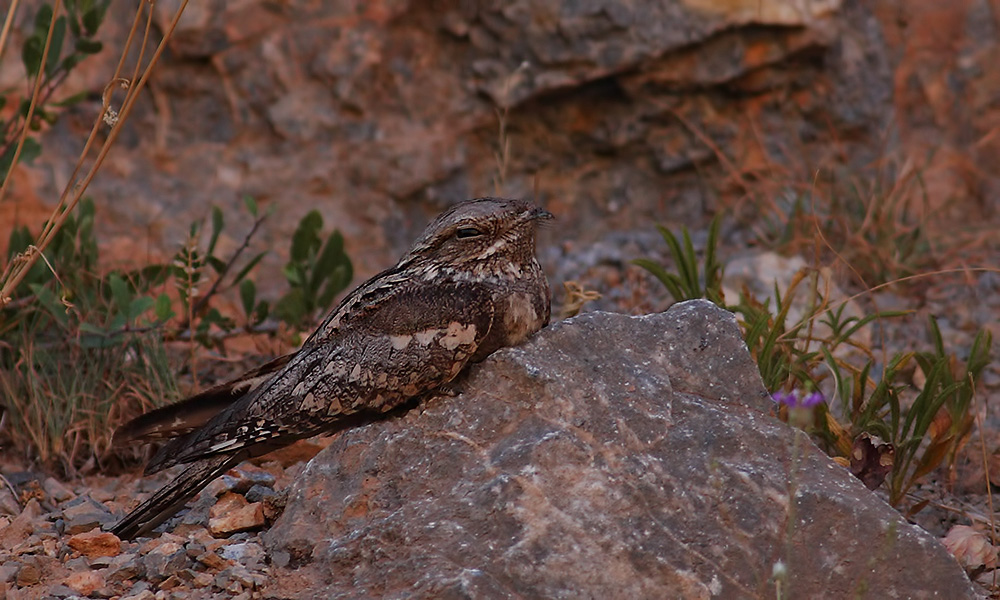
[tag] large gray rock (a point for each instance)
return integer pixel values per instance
(609, 457)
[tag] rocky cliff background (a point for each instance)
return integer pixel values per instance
(615, 114)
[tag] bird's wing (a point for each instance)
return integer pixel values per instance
(192, 413)
(411, 342)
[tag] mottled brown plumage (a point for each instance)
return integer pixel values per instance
(468, 286)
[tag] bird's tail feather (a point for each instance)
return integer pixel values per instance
(169, 498)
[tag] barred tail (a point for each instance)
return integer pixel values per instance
(168, 499)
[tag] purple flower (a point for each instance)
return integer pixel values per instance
(813, 399)
(793, 399)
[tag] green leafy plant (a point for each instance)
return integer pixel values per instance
(688, 283)
(81, 350)
(316, 272)
(77, 350)
(73, 39)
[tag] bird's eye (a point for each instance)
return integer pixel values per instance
(467, 232)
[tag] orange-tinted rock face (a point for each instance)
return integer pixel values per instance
(379, 113)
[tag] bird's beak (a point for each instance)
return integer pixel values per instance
(540, 214)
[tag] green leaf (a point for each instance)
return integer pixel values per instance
(292, 307)
(139, 306)
(92, 329)
(20, 239)
(669, 280)
(50, 302)
(218, 265)
(88, 46)
(306, 240)
(42, 20)
(164, 311)
(261, 311)
(119, 292)
(92, 19)
(217, 224)
(153, 275)
(251, 203)
(55, 49)
(248, 294)
(339, 279)
(30, 151)
(74, 24)
(329, 258)
(294, 274)
(31, 55)
(249, 267)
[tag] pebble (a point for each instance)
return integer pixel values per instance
(95, 543)
(56, 490)
(22, 526)
(28, 575)
(84, 513)
(8, 503)
(244, 518)
(84, 582)
(242, 478)
(54, 547)
(244, 553)
(258, 493)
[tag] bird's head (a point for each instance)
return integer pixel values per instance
(479, 235)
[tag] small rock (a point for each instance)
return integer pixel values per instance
(213, 561)
(245, 476)
(141, 595)
(28, 575)
(165, 538)
(22, 526)
(275, 505)
(125, 566)
(280, 558)
(101, 562)
(226, 504)
(56, 490)
(62, 591)
(259, 492)
(95, 543)
(244, 577)
(8, 502)
(170, 583)
(84, 582)
(246, 518)
(84, 513)
(164, 561)
(202, 580)
(244, 553)
(79, 563)
(8, 571)
(194, 549)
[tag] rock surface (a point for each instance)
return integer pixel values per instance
(610, 456)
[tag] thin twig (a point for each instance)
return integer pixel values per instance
(6, 25)
(33, 104)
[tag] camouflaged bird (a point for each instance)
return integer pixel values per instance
(469, 285)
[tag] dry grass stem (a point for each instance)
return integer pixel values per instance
(18, 268)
